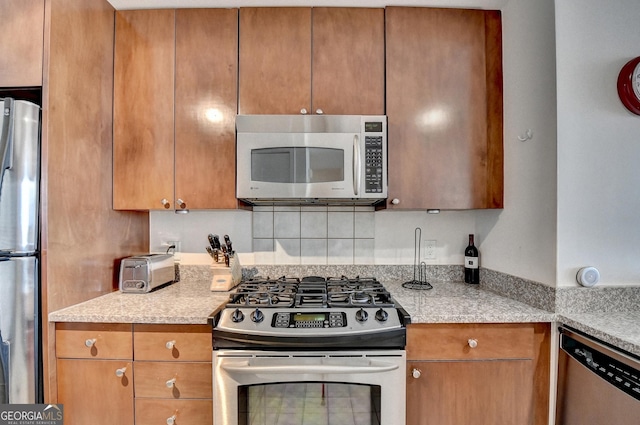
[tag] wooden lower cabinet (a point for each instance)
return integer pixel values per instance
(174, 382)
(92, 391)
(158, 411)
(134, 374)
(470, 392)
(484, 374)
(95, 373)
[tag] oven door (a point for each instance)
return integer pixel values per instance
(335, 388)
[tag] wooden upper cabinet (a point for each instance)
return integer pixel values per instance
(444, 107)
(143, 109)
(348, 61)
(21, 49)
(206, 104)
(275, 60)
(175, 108)
(328, 59)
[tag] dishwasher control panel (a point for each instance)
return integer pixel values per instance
(622, 376)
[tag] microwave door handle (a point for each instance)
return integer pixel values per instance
(356, 165)
(6, 138)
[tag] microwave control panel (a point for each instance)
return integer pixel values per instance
(374, 157)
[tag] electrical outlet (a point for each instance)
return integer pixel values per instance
(175, 244)
(430, 249)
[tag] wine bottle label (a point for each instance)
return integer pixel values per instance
(471, 262)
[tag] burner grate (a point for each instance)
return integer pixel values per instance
(311, 291)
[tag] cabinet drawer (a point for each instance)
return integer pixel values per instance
(173, 380)
(94, 341)
(172, 342)
(454, 341)
(151, 411)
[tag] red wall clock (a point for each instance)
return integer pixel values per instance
(629, 85)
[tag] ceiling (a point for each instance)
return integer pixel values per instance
(171, 4)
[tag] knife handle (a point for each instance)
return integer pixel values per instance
(227, 240)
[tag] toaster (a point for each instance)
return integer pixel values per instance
(144, 273)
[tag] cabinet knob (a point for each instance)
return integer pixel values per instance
(165, 203)
(170, 383)
(416, 373)
(319, 111)
(120, 372)
(170, 344)
(181, 204)
(395, 201)
(171, 420)
(473, 343)
(90, 342)
(303, 111)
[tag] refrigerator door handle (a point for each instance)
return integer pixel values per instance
(4, 371)
(6, 138)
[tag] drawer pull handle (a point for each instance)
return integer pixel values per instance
(416, 373)
(473, 343)
(90, 342)
(170, 344)
(120, 372)
(172, 419)
(171, 382)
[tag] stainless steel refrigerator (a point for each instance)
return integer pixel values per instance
(20, 349)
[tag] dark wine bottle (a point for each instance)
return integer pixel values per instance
(471, 263)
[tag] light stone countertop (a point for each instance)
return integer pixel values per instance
(620, 329)
(191, 302)
(184, 302)
(458, 302)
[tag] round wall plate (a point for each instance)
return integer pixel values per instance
(588, 276)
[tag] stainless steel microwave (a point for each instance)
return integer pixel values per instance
(311, 159)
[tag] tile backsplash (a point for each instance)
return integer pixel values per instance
(317, 235)
(313, 235)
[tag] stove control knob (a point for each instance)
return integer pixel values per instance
(361, 315)
(237, 316)
(257, 316)
(381, 315)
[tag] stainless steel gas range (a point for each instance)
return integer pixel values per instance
(310, 350)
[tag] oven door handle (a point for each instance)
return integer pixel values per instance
(246, 368)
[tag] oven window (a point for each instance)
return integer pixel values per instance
(297, 165)
(309, 403)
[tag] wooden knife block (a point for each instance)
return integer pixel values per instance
(226, 277)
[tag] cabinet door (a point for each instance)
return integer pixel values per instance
(162, 411)
(348, 61)
(94, 341)
(444, 107)
(465, 392)
(206, 107)
(173, 342)
(173, 380)
(97, 392)
(275, 60)
(22, 43)
(143, 161)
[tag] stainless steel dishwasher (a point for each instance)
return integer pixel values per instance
(597, 384)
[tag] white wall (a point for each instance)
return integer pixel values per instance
(598, 142)
(520, 239)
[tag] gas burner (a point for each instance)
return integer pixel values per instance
(311, 291)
